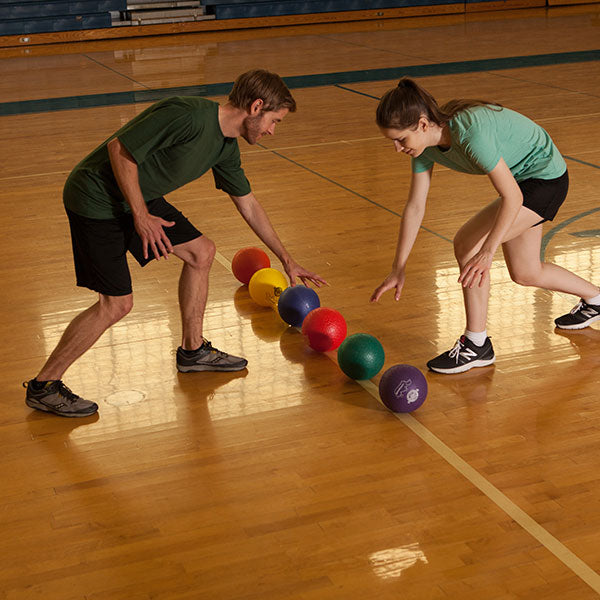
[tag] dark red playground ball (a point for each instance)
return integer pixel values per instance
(247, 261)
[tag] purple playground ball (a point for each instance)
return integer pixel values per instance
(403, 388)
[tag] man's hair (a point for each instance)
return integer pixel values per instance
(260, 84)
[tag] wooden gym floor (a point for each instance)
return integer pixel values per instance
(290, 481)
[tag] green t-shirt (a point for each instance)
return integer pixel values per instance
(173, 142)
(482, 135)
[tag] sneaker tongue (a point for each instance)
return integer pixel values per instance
(463, 338)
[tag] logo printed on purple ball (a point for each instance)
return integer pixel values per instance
(403, 389)
(412, 396)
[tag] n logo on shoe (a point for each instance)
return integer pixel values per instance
(468, 353)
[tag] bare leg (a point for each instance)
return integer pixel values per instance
(467, 242)
(522, 255)
(198, 255)
(82, 332)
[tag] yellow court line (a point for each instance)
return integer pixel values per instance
(33, 175)
(532, 527)
(566, 556)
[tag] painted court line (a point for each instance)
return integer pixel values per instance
(545, 538)
(532, 527)
(339, 78)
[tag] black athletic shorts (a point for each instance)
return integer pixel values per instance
(100, 246)
(545, 196)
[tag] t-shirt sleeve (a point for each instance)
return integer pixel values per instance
(482, 148)
(421, 164)
(166, 126)
(229, 175)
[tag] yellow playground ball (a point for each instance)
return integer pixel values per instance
(266, 286)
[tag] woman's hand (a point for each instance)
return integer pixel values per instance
(476, 269)
(395, 280)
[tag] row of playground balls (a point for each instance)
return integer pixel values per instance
(402, 388)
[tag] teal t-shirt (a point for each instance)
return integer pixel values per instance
(482, 135)
(173, 142)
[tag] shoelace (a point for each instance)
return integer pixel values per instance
(66, 392)
(208, 346)
(455, 352)
(579, 305)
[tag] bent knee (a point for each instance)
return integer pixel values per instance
(462, 250)
(116, 307)
(525, 278)
(200, 253)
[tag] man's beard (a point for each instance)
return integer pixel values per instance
(252, 129)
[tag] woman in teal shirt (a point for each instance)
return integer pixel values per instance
(531, 178)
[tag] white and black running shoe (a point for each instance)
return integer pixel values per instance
(581, 316)
(464, 356)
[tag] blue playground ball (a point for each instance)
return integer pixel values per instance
(403, 388)
(295, 303)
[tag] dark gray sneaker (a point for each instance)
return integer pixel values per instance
(55, 397)
(581, 316)
(207, 358)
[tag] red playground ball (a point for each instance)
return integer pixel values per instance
(403, 388)
(247, 261)
(324, 328)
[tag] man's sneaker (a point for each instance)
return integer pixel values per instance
(207, 358)
(581, 316)
(464, 356)
(57, 398)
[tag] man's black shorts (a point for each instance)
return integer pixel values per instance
(100, 246)
(545, 196)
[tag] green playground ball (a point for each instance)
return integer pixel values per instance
(361, 356)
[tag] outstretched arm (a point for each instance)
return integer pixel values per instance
(412, 218)
(149, 227)
(255, 215)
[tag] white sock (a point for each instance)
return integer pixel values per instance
(595, 301)
(477, 337)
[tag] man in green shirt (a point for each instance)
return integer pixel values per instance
(114, 201)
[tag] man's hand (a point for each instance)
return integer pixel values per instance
(294, 270)
(150, 229)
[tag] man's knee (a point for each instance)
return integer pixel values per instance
(114, 308)
(200, 253)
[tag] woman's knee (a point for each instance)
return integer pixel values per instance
(528, 277)
(463, 250)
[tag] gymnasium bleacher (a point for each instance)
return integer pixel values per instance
(97, 19)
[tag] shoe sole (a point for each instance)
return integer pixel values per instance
(579, 325)
(465, 367)
(39, 406)
(204, 368)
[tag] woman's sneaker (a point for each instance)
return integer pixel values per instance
(581, 316)
(464, 356)
(55, 397)
(207, 358)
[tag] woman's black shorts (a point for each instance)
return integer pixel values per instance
(100, 246)
(545, 196)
